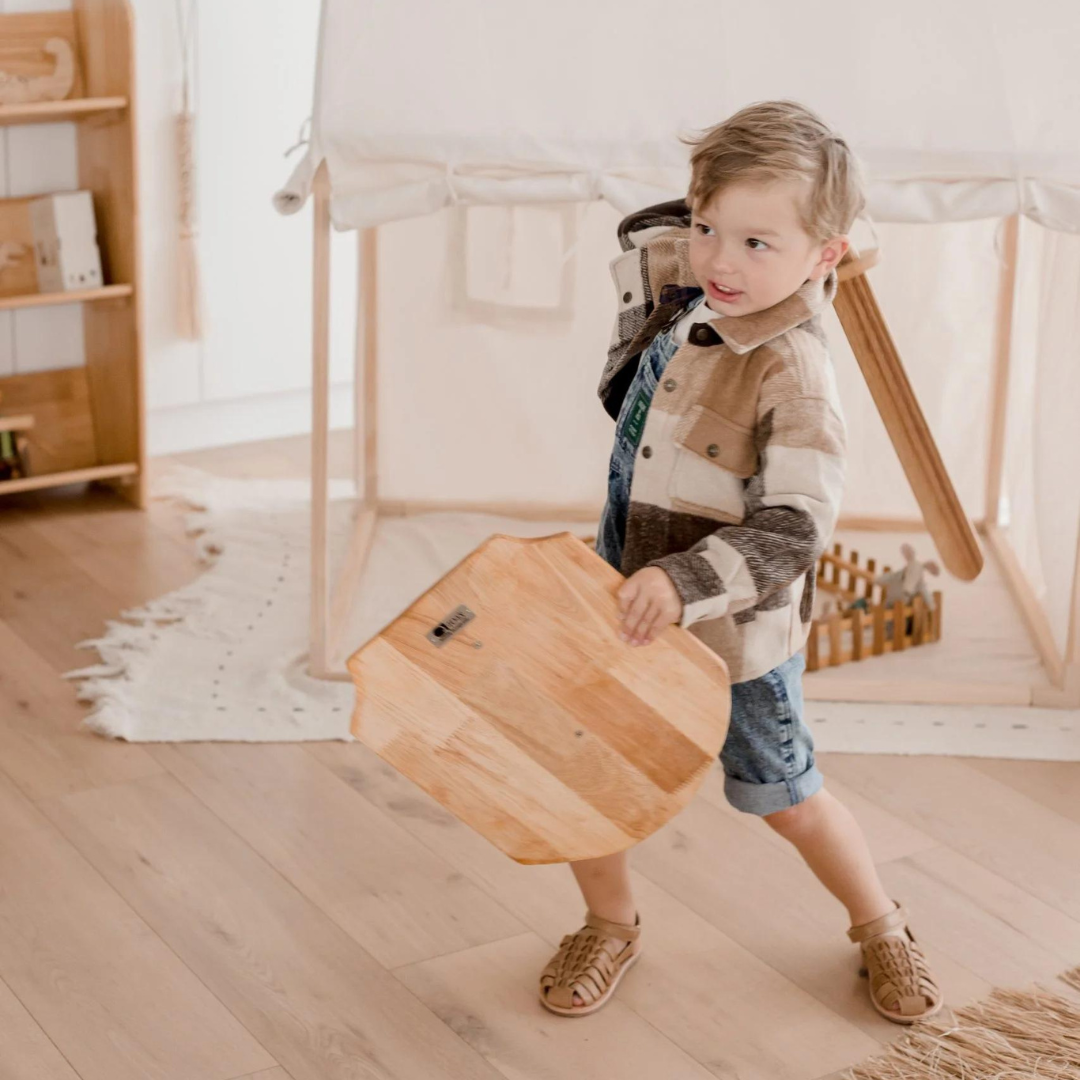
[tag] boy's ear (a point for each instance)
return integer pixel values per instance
(835, 249)
(832, 251)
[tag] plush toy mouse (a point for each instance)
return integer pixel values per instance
(909, 582)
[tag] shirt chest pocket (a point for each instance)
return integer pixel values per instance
(714, 456)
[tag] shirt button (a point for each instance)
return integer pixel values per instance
(627, 297)
(713, 450)
(646, 451)
(670, 385)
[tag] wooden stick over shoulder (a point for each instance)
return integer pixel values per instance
(888, 383)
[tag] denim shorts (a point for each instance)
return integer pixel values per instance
(768, 755)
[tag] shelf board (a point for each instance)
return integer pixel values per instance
(16, 423)
(72, 476)
(52, 112)
(80, 296)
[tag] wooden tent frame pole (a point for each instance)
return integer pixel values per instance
(1072, 650)
(318, 665)
(365, 451)
(1071, 688)
(1006, 305)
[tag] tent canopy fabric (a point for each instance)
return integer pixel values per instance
(959, 111)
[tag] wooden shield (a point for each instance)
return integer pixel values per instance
(506, 693)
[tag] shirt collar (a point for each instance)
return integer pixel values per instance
(741, 333)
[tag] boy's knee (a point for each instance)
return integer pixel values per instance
(795, 818)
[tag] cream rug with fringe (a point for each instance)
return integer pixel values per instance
(1011, 1035)
(224, 657)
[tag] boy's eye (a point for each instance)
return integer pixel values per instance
(704, 230)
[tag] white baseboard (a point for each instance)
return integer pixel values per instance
(223, 423)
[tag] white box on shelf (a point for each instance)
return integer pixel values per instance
(65, 242)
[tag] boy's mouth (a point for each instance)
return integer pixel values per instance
(718, 293)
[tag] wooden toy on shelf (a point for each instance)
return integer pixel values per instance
(13, 449)
(65, 242)
(35, 71)
(864, 613)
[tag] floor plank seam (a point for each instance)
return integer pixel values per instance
(40, 1027)
(45, 800)
(463, 949)
(906, 817)
(776, 971)
(478, 882)
(542, 1014)
(152, 929)
(990, 914)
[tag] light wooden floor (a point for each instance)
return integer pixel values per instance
(214, 911)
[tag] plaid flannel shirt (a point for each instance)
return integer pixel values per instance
(740, 469)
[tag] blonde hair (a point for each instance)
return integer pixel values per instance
(781, 140)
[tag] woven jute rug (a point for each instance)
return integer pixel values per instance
(1031, 1034)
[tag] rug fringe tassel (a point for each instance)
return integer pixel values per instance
(1012, 1035)
(104, 685)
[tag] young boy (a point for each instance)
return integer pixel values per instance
(724, 488)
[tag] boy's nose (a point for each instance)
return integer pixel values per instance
(723, 264)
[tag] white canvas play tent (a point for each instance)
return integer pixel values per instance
(485, 151)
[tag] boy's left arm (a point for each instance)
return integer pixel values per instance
(792, 506)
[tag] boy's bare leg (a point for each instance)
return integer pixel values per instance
(826, 834)
(605, 885)
(832, 843)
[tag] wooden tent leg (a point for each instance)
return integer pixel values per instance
(1072, 647)
(1072, 642)
(365, 455)
(1066, 695)
(1006, 302)
(365, 371)
(320, 421)
(1032, 612)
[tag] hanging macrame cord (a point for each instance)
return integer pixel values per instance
(189, 308)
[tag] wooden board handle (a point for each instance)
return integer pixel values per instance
(888, 383)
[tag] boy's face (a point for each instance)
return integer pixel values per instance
(749, 238)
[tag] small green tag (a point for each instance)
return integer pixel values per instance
(635, 419)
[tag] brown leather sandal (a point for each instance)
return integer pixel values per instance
(902, 987)
(590, 963)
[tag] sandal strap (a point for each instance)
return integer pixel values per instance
(586, 963)
(892, 920)
(613, 929)
(900, 975)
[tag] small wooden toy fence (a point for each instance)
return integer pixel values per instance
(853, 633)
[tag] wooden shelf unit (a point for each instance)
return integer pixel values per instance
(82, 296)
(89, 421)
(55, 112)
(72, 476)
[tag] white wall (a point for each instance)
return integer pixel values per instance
(249, 377)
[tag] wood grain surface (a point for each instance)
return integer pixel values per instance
(535, 723)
